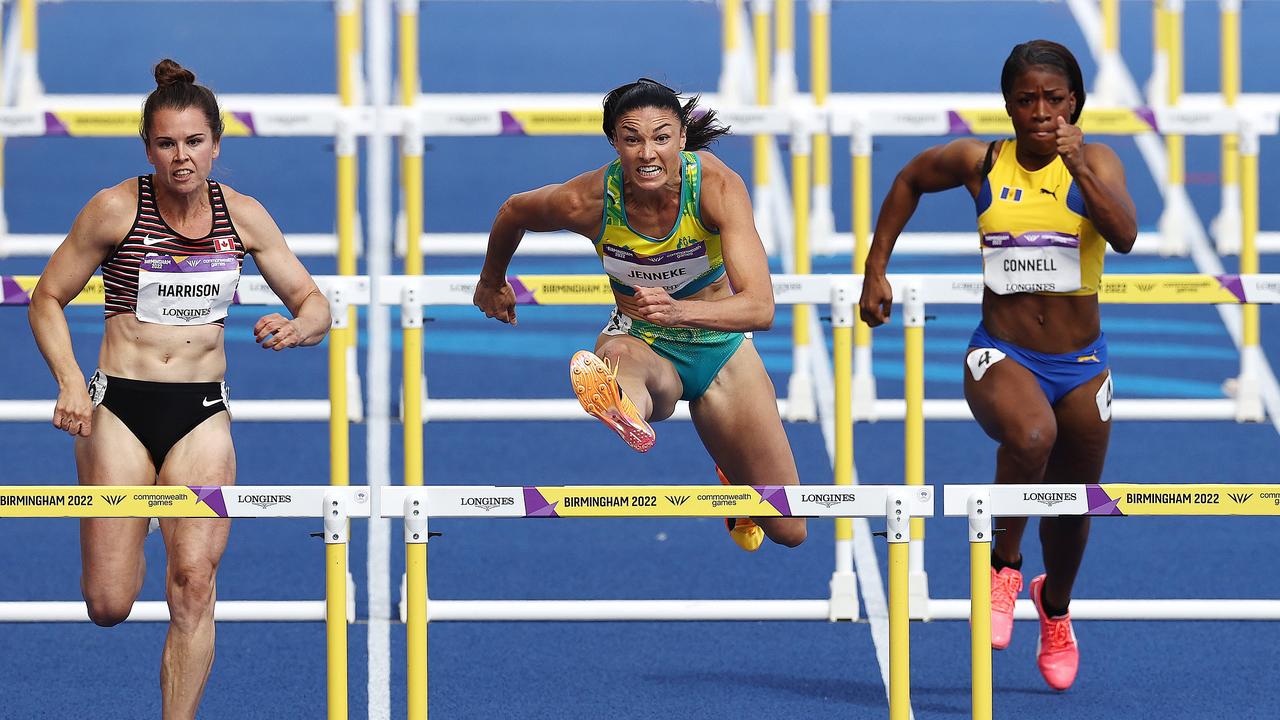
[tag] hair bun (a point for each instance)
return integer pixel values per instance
(169, 72)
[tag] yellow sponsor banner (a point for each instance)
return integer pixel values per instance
(1165, 289)
(1195, 499)
(995, 121)
(93, 293)
(124, 123)
(569, 121)
(566, 289)
(131, 501)
(656, 501)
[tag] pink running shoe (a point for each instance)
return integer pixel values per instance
(1005, 586)
(1057, 653)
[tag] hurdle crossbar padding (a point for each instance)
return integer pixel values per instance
(179, 501)
(555, 501)
(627, 610)
(286, 410)
(1086, 609)
(1116, 499)
(158, 611)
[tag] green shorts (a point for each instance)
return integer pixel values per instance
(697, 354)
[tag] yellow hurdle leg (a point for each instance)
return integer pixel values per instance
(980, 527)
(415, 550)
(898, 533)
(335, 620)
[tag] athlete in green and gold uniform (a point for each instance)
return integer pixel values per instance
(673, 227)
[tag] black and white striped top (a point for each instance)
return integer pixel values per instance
(150, 234)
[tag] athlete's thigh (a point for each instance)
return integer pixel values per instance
(204, 456)
(737, 419)
(1007, 401)
(1084, 432)
(638, 360)
(111, 548)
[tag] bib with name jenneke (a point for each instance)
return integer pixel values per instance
(682, 263)
(1035, 230)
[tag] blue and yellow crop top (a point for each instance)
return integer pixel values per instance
(1035, 230)
(685, 261)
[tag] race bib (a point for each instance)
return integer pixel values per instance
(186, 289)
(1031, 262)
(670, 270)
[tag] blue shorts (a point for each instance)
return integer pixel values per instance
(1057, 374)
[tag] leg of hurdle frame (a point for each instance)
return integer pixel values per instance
(898, 523)
(980, 528)
(336, 524)
(415, 558)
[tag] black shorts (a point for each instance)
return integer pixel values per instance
(159, 414)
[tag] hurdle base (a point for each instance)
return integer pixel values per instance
(844, 597)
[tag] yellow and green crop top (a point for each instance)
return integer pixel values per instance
(1035, 230)
(685, 261)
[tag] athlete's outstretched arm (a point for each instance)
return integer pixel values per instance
(577, 206)
(726, 205)
(939, 168)
(100, 225)
(286, 276)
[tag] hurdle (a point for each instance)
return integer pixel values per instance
(896, 504)
(336, 505)
(343, 292)
(980, 503)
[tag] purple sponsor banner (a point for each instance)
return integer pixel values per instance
(1100, 503)
(210, 495)
(958, 125)
(247, 119)
(524, 296)
(1233, 285)
(1148, 116)
(1030, 239)
(158, 262)
(620, 253)
(537, 506)
(510, 125)
(54, 126)
(775, 495)
(14, 294)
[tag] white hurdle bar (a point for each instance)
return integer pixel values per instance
(981, 504)
(416, 505)
(335, 506)
(232, 501)
(816, 289)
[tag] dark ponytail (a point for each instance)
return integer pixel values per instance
(1044, 53)
(176, 89)
(701, 126)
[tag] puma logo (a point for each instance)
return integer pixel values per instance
(1053, 192)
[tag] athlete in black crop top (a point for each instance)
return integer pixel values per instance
(156, 411)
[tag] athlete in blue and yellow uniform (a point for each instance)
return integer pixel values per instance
(1036, 375)
(673, 227)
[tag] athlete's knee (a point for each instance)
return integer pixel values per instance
(790, 533)
(1030, 446)
(190, 591)
(107, 609)
(616, 349)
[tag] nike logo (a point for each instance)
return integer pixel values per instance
(210, 403)
(148, 240)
